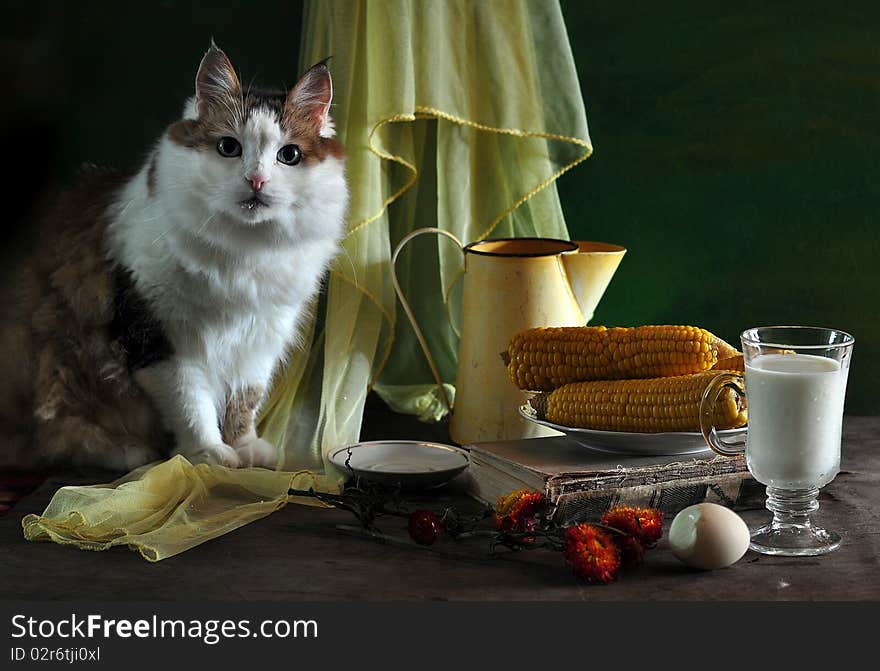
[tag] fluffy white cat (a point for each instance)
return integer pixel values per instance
(208, 258)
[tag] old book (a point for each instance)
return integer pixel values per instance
(582, 483)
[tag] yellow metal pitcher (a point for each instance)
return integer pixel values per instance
(510, 285)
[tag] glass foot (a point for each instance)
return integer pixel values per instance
(794, 540)
(791, 533)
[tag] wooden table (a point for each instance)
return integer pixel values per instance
(298, 554)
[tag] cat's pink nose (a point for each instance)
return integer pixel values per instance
(257, 182)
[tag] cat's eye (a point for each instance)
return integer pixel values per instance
(289, 154)
(228, 147)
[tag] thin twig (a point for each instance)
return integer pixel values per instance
(376, 535)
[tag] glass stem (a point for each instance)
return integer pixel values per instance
(792, 506)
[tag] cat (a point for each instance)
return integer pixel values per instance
(157, 306)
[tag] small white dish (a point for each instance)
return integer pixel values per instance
(407, 463)
(625, 442)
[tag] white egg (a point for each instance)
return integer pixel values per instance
(708, 536)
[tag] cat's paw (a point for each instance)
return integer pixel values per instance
(257, 452)
(219, 454)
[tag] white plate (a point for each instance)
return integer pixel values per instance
(624, 442)
(407, 463)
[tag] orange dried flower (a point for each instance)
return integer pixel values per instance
(644, 524)
(518, 510)
(507, 502)
(651, 521)
(591, 553)
(624, 519)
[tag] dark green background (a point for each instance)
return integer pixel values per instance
(736, 157)
(735, 144)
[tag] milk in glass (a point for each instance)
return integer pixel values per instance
(795, 406)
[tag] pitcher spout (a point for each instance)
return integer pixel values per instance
(589, 270)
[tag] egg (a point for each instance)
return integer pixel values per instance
(708, 536)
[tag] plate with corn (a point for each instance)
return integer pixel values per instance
(633, 390)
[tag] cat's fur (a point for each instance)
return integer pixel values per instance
(157, 306)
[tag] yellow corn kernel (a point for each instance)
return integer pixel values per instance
(543, 359)
(733, 363)
(644, 406)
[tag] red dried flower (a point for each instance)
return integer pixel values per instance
(425, 527)
(591, 553)
(624, 519)
(644, 524)
(651, 521)
(632, 552)
(518, 510)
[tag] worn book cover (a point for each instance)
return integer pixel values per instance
(583, 483)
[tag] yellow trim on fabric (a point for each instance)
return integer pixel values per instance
(516, 132)
(388, 157)
(424, 112)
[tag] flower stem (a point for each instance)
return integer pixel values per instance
(376, 536)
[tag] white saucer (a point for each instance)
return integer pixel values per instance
(407, 463)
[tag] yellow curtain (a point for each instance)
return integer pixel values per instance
(457, 114)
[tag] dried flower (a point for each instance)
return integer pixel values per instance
(651, 521)
(591, 553)
(425, 527)
(632, 552)
(643, 524)
(523, 521)
(518, 510)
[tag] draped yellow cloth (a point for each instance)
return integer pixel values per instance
(455, 114)
(163, 509)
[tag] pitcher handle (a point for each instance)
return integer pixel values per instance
(719, 384)
(408, 311)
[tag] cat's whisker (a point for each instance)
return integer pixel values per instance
(161, 235)
(128, 204)
(148, 220)
(205, 224)
(249, 86)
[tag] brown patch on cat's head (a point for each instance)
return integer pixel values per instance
(200, 133)
(303, 112)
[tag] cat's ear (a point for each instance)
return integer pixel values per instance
(310, 100)
(217, 85)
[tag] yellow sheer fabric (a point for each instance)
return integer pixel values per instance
(163, 509)
(457, 114)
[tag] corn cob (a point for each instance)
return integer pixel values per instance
(733, 363)
(645, 406)
(543, 359)
(737, 363)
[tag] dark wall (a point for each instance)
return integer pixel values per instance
(736, 144)
(99, 80)
(736, 156)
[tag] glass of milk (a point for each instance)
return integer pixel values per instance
(795, 383)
